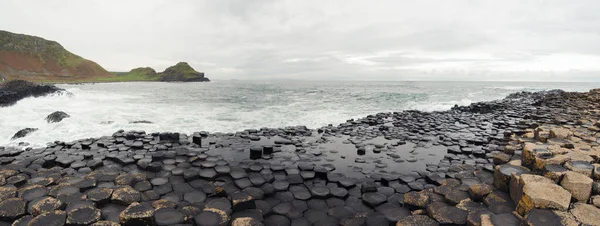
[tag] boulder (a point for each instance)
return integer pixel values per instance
(595, 201)
(24, 132)
(518, 182)
(586, 214)
(543, 196)
(560, 133)
(56, 116)
(578, 184)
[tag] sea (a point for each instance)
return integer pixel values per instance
(229, 106)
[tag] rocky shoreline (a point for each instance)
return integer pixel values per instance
(15, 90)
(529, 159)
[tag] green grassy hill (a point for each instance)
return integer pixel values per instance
(33, 58)
(181, 72)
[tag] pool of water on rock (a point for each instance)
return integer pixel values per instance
(338, 154)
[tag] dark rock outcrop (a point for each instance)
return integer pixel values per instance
(23, 133)
(182, 72)
(140, 122)
(15, 90)
(57, 116)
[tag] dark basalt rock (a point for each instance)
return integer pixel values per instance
(393, 212)
(373, 199)
(33, 192)
(446, 214)
(168, 216)
(105, 223)
(125, 195)
(282, 208)
(99, 195)
(277, 220)
(15, 90)
(7, 192)
(223, 204)
(542, 217)
(338, 192)
(456, 196)
(57, 217)
(246, 221)
(242, 201)
(24, 132)
(300, 192)
(194, 197)
(23, 221)
(56, 116)
(137, 214)
(416, 200)
(163, 203)
(210, 218)
(46, 204)
(83, 216)
(421, 220)
(320, 192)
(12, 208)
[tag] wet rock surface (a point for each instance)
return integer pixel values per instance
(24, 132)
(15, 90)
(471, 165)
(57, 116)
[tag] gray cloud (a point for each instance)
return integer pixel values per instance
(338, 39)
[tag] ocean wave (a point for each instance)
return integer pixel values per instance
(228, 107)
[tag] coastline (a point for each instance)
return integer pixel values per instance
(358, 171)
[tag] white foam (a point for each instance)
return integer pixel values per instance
(217, 107)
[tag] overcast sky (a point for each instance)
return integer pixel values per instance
(332, 39)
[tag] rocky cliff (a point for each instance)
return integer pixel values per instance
(36, 59)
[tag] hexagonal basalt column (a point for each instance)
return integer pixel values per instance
(503, 173)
